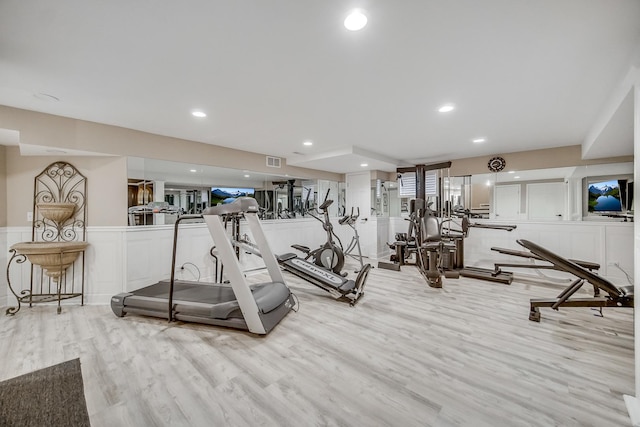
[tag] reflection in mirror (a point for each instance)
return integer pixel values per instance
(160, 190)
(342, 199)
(385, 200)
(457, 193)
(284, 199)
(309, 189)
(394, 199)
(555, 194)
(328, 190)
(379, 198)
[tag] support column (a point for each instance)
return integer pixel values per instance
(158, 196)
(632, 402)
(421, 186)
(290, 187)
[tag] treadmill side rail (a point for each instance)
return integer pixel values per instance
(243, 294)
(117, 303)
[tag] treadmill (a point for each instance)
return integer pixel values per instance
(256, 308)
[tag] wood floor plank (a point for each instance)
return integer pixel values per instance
(405, 355)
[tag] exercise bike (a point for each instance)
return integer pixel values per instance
(329, 255)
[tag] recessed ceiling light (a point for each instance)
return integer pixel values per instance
(247, 176)
(355, 21)
(446, 108)
(512, 171)
(478, 140)
(307, 143)
(516, 177)
(199, 114)
(192, 170)
(364, 165)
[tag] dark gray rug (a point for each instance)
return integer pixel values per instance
(52, 396)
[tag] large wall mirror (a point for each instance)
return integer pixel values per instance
(599, 192)
(385, 200)
(159, 191)
(590, 192)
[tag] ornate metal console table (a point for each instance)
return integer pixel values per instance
(58, 239)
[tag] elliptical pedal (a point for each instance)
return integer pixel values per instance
(361, 279)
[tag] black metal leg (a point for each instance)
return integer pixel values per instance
(19, 259)
(534, 314)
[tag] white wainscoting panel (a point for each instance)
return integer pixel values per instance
(600, 242)
(105, 262)
(382, 235)
(619, 253)
(127, 258)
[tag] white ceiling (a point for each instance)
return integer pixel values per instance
(272, 74)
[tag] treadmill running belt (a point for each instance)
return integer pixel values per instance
(189, 291)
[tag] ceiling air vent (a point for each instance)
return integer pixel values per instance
(274, 162)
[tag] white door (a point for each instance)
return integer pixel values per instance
(507, 199)
(358, 193)
(546, 201)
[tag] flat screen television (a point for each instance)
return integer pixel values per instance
(223, 195)
(606, 196)
(610, 196)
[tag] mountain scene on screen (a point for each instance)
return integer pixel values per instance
(227, 195)
(604, 196)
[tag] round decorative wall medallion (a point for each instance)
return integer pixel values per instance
(496, 164)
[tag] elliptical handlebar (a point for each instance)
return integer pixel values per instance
(325, 204)
(350, 219)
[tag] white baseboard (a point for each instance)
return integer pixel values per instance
(633, 407)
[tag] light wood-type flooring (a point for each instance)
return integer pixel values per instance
(406, 355)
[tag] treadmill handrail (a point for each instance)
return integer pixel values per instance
(573, 268)
(173, 258)
(246, 301)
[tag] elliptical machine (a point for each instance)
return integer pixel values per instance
(350, 220)
(329, 255)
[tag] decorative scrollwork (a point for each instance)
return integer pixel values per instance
(60, 182)
(69, 234)
(19, 259)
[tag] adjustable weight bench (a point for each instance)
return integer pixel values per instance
(614, 296)
(591, 266)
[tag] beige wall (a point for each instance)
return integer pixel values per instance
(60, 132)
(3, 186)
(106, 175)
(526, 160)
(531, 160)
(106, 187)
(480, 194)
